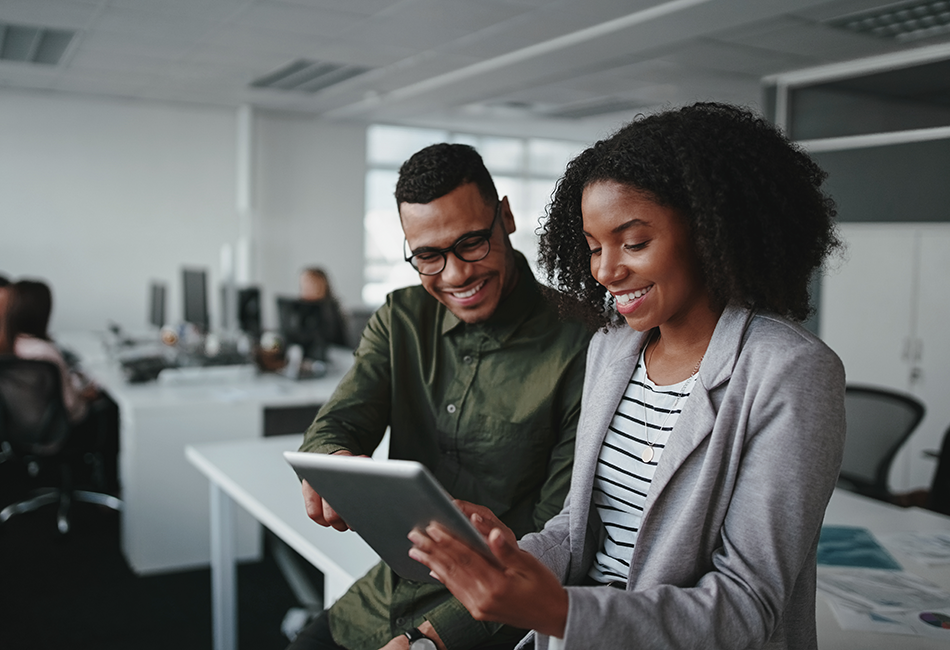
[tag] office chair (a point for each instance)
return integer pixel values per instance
(879, 421)
(35, 429)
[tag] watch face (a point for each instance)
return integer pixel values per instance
(422, 644)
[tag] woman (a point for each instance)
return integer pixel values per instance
(93, 414)
(315, 287)
(712, 424)
(29, 306)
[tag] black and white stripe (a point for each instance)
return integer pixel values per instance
(647, 413)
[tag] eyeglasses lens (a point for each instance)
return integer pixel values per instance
(470, 249)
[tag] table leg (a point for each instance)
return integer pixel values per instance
(223, 570)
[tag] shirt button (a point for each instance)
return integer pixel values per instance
(467, 359)
(400, 621)
(451, 408)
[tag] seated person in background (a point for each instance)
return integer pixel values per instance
(315, 287)
(477, 379)
(712, 425)
(5, 348)
(93, 413)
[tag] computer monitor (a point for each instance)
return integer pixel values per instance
(249, 310)
(195, 283)
(156, 305)
(303, 323)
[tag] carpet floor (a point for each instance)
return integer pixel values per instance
(77, 591)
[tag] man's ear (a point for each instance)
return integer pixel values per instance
(507, 218)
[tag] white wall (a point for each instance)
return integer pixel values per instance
(309, 199)
(98, 197)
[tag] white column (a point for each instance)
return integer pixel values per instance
(245, 263)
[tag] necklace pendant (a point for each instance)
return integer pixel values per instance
(647, 454)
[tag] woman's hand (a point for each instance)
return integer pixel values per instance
(515, 588)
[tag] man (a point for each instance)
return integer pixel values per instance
(476, 378)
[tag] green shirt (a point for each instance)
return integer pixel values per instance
(491, 409)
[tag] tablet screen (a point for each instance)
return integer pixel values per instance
(382, 500)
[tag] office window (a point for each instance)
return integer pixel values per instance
(524, 169)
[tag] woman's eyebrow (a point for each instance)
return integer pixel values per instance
(629, 224)
(623, 226)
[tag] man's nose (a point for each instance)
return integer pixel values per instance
(456, 271)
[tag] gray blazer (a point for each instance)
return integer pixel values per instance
(726, 551)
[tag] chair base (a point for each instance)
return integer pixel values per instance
(51, 496)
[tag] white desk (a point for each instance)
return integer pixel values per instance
(254, 475)
(166, 510)
(848, 509)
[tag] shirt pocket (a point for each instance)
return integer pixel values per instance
(507, 460)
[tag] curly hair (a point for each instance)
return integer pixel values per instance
(759, 222)
(436, 170)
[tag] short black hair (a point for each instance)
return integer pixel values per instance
(438, 169)
(3, 280)
(758, 219)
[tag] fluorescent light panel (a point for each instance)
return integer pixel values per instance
(305, 75)
(907, 21)
(27, 44)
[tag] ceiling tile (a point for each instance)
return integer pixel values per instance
(119, 44)
(710, 54)
(131, 63)
(808, 39)
(182, 25)
(364, 7)
(62, 14)
(297, 19)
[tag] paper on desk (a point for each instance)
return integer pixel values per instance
(883, 590)
(927, 548)
(896, 602)
(850, 617)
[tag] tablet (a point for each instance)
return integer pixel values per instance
(382, 500)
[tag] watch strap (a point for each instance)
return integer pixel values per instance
(414, 635)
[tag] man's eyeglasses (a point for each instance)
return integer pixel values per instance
(471, 247)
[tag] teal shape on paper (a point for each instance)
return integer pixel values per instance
(852, 546)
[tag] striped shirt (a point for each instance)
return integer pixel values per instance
(643, 420)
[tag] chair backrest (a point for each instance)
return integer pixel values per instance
(33, 418)
(879, 421)
(939, 498)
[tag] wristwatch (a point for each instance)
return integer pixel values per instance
(419, 641)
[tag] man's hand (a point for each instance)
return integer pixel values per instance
(317, 507)
(402, 643)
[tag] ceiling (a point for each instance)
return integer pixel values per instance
(521, 66)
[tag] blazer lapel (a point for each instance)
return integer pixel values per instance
(603, 395)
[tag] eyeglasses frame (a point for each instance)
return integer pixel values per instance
(485, 233)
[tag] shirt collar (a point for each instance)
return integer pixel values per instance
(511, 312)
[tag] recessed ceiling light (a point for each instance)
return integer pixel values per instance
(26, 44)
(907, 21)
